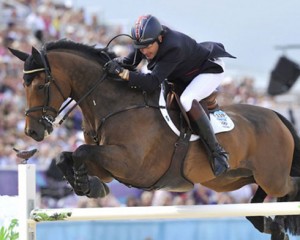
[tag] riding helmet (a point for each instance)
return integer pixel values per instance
(145, 31)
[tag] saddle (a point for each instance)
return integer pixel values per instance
(172, 93)
(174, 179)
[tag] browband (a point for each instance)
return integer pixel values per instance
(33, 71)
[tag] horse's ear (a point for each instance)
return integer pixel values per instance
(36, 54)
(21, 55)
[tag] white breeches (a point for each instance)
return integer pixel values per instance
(201, 87)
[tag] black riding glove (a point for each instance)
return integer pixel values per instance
(113, 67)
(119, 60)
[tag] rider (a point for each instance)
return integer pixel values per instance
(177, 57)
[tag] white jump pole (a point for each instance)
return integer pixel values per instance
(168, 212)
(27, 200)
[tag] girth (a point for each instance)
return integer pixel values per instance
(174, 179)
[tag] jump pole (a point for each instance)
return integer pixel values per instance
(167, 212)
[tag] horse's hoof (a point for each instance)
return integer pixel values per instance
(98, 189)
(286, 237)
(281, 236)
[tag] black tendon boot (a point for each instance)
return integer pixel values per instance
(201, 125)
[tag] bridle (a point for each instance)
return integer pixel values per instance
(47, 119)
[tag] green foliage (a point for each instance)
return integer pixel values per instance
(39, 217)
(9, 233)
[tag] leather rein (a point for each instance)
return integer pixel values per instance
(48, 120)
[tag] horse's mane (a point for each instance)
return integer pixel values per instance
(99, 54)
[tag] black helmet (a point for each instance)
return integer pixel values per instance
(145, 31)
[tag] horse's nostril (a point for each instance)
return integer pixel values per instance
(30, 132)
(34, 134)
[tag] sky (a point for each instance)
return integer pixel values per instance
(250, 30)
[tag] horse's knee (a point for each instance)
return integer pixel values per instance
(279, 187)
(63, 157)
(80, 154)
(294, 194)
(64, 161)
(277, 192)
(82, 151)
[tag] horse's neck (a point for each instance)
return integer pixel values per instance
(111, 99)
(109, 96)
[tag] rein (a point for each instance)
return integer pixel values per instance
(83, 97)
(48, 120)
(144, 105)
(95, 86)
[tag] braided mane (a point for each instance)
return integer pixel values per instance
(98, 54)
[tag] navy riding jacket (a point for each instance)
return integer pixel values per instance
(179, 59)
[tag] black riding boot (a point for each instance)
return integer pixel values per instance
(201, 125)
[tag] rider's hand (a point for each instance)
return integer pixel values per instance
(113, 67)
(119, 60)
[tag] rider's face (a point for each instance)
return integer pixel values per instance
(151, 50)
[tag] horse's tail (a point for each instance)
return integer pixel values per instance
(295, 170)
(292, 222)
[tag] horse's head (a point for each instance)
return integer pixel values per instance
(44, 97)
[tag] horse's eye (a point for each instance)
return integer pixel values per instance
(41, 86)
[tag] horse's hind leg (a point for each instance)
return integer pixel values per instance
(267, 224)
(259, 222)
(281, 224)
(289, 223)
(277, 229)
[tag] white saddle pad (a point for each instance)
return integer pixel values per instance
(220, 121)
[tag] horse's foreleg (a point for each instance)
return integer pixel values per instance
(104, 162)
(77, 176)
(64, 162)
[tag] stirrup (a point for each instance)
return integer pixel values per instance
(222, 167)
(219, 150)
(219, 157)
(222, 153)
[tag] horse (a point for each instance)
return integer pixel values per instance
(127, 138)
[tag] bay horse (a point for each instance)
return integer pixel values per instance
(127, 138)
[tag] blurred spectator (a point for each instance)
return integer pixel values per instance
(36, 23)
(203, 195)
(132, 201)
(162, 198)
(146, 199)
(108, 201)
(242, 195)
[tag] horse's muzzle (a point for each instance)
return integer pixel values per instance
(40, 130)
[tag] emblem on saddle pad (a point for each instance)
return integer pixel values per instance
(219, 120)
